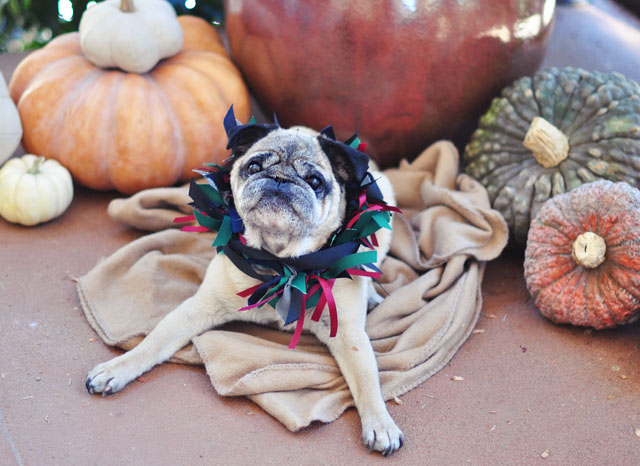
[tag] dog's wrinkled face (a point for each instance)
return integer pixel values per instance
(288, 187)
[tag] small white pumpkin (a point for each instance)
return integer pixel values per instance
(133, 36)
(34, 190)
(10, 126)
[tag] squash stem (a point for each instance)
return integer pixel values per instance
(35, 168)
(589, 250)
(549, 145)
(126, 6)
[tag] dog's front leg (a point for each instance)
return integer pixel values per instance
(194, 316)
(352, 350)
(357, 362)
(172, 333)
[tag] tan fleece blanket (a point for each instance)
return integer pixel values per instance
(440, 245)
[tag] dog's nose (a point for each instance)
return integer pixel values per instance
(282, 184)
(279, 185)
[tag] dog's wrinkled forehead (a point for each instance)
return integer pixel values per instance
(289, 145)
(348, 165)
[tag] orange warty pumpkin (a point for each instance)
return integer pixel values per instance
(130, 131)
(582, 261)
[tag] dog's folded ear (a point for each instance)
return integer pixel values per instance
(243, 137)
(349, 165)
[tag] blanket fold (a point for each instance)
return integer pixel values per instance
(433, 278)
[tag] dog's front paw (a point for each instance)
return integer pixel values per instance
(382, 435)
(109, 377)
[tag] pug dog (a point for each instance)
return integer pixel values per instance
(289, 189)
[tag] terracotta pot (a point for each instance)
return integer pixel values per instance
(403, 73)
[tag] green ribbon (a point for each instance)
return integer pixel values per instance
(213, 194)
(206, 221)
(382, 219)
(351, 261)
(224, 232)
(300, 282)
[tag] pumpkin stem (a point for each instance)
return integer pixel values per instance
(549, 145)
(126, 6)
(35, 168)
(589, 250)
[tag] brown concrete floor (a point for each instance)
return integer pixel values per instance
(529, 386)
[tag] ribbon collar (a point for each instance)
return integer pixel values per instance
(294, 285)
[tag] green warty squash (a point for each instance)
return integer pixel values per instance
(547, 134)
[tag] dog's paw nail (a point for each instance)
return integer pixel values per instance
(108, 378)
(372, 442)
(108, 389)
(383, 436)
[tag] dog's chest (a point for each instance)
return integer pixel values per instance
(266, 314)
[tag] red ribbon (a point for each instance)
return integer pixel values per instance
(188, 218)
(362, 198)
(249, 291)
(298, 331)
(326, 298)
(260, 303)
(363, 273)
(366, 242)
(194, 228)
(374, 240)
(391, 208)
(357, 216)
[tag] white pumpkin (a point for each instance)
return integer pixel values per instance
(132, 35)
(34, 190)
(10, 126)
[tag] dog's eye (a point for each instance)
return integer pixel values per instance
(254, 167)
(313, 181)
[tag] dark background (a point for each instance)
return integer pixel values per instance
(29, 24)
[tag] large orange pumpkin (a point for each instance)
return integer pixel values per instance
(130, 131)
